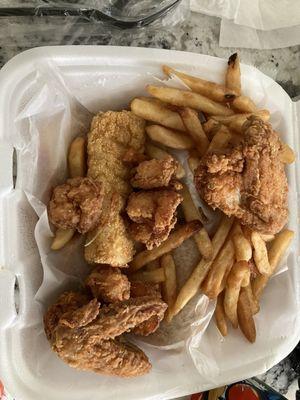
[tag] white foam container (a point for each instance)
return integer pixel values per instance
(175, 374)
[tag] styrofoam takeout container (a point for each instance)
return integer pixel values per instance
(125, 71)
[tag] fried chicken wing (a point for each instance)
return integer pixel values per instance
(77, 204)
(248, 181)
(112, 135)
(88, 338)
(153, 215)
(108, 284)
(154, 173)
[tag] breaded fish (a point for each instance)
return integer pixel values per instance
(112, 134)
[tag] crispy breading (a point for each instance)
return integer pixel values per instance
(88, 337)
(108, 284)
(248, 181)
(153, 214)
(154, 173)
(112, 134)
(76, 204)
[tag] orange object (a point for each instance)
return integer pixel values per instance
(242, 392)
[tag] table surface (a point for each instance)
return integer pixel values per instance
(198, 33)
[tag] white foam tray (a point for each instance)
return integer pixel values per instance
(175, 374)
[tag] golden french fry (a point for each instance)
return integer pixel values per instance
(154, 112)
(254, 304)
(174, 240)
(278, 247)
(233, 74)
(202, 216)
(61, 238)
(191, 213)
(232, 290)
(267, 237)
(77, 157)
(242, 246)
(194, 128)
(169, 137)
(156, 152)
(239, 119)
(208, 89)
(152, 265)
(220, 316)
(212, 285)
(152, 100)
(186, 98)
(245, 317)
(221, 139)
(244, 104)
(260, 254)
(215, 394)
(191, 286)
(286, 155)
(154, 276)
(169, 286)
(193, 163)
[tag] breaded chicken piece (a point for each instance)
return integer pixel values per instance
(92, 342)
(153, 215)
(108, 284)
(140, 289)
(248, 181)
(154, 173)
(76, 204)
(112, 134)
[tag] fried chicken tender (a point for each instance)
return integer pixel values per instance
(248, 181)
(140, 289)
(112, 135)
(76, 204)
(108, 284)
(92, 340)
(154, 173)
(153, 214)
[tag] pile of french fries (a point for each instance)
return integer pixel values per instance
(236, 263)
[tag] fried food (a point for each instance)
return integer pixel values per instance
(111, 135)
(242, 246)
(249, 180)
(209, 89)
(77, 157)
(260, 254)
(169, 137)
(186, 98)
(169, 286)
(87, 337)
(108, 284)
(233, 74)
(153, 214)
(157, 113)
(76, 204)
(220, 316)
(277, 250)
(156, 152)
(154, 173)
(245, 316)
(61, 238)
(191, 286)
(174, 240)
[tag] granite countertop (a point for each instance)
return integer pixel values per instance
(199, 34)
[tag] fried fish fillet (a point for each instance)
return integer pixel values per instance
(112, 134)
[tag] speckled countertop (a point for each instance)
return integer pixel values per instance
(199, 34)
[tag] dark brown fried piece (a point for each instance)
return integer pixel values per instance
(153, 214)
(108, 284)
(96, 346)
(133, 157)
(82, 316)
(154, 173)
(248, 181)
(76, 204)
